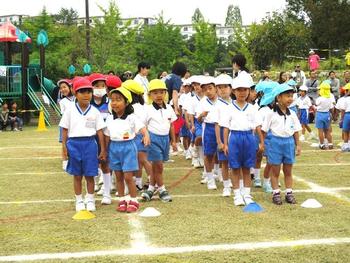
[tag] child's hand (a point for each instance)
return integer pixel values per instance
(261, 147)
(102, 156)
(221, 147)
(193, 130)
(173, 144)
(146, 140)
(298, 150)
(225, 149)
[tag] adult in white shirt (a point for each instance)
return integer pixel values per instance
(143, 69)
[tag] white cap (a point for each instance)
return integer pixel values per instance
(204, 80)
(223, 79)
(243, 80)
(303, 88)
(311, 51)
(186, 82)
(294, 74)
(194, 78)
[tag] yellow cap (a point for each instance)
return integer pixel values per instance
(133, 86)
(325, 89)
(156, 84)
(347, 87)
(123, 91)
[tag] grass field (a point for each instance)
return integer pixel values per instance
(36, 209)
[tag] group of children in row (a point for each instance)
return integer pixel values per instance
(9, 117)
(229, 123)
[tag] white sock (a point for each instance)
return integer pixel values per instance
(237, 192)
(161, 188)
(138, 181)
(246, 190)
(79, 198)
(266, 181)
(200, 152)
(210, 176)
(134, 199)
(276, 191)
(107, 184)
(151, 188)
(90, 197)
(289, 190)
(216, 166)
(256, 173)
(251, 170)
(226, 183)
(241, 185)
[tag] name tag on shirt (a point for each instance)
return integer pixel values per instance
(90, 123)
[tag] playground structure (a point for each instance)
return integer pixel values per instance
(25, 81)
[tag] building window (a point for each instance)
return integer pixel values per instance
(229, 31)
(136, 21)
(185, 28)
(222, 31)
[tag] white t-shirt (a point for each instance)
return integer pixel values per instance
(123, 129)
(192, 104)
(144, 83)
(263, 112)
(344, 104)
(304, 102)
(220, 109)
(240, 119)
(294, 103)
(324, 104)
(65, 103)
(281, 125)
(206, 105)
(139, 111)
(82, 124)
(159, 121)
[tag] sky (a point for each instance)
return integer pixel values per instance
(178, 11)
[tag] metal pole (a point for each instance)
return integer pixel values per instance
(87, 20)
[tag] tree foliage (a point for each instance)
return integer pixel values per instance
(233, 16)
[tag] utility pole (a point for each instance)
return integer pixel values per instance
(87, 19)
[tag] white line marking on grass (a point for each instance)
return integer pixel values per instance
(179, 250)
(28, 147)
(31, 158)
(137, 236)
(320, 164)
(174, 196)
(322, 189)
(33, 173)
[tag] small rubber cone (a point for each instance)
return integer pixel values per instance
(41, 123)
(311, 203)
(150, 212)
(253, 208)
(83, 215)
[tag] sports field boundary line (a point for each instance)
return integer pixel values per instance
(174, 196)
(152, 250)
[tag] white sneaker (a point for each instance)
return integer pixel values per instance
(97, 187)
(79, 205)
(248, 199)
(196, 163)
(90, 205)
(201, 162)
(226, 192)
(302, 138)
(211, 185)
(218, 177)
(100, 192)
(64, 165)
(188, 155)
(106, 200)
(238, 200)
(100, 178)
(180, 148)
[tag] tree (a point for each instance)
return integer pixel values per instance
(205, 43)
(66, 16)
(326, 18)
(233, 16)
(197, 16)
(161, 44)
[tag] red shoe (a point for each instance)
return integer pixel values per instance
(133, 207)
(122, 206)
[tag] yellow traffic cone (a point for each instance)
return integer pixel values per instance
(41, 123)
(83, 215)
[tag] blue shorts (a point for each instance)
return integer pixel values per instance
(198, 130)
(82, 156)
(294, 108)
(304, 116)
(185, 132)
(60, 129)
(139, 144)
(209, 139)
(241, 149)
(159, 148)
(346, 122)
(267, 143)
(257, 141)
(281, 150)
(123, 156)
(221, 155)
(323, 120)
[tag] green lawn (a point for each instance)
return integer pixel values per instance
(31, 171)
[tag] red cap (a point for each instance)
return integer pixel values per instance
(113, 81)
(67, 81)
(96, 77)
(81, 83)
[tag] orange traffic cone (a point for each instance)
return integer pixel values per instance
(41, 123)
